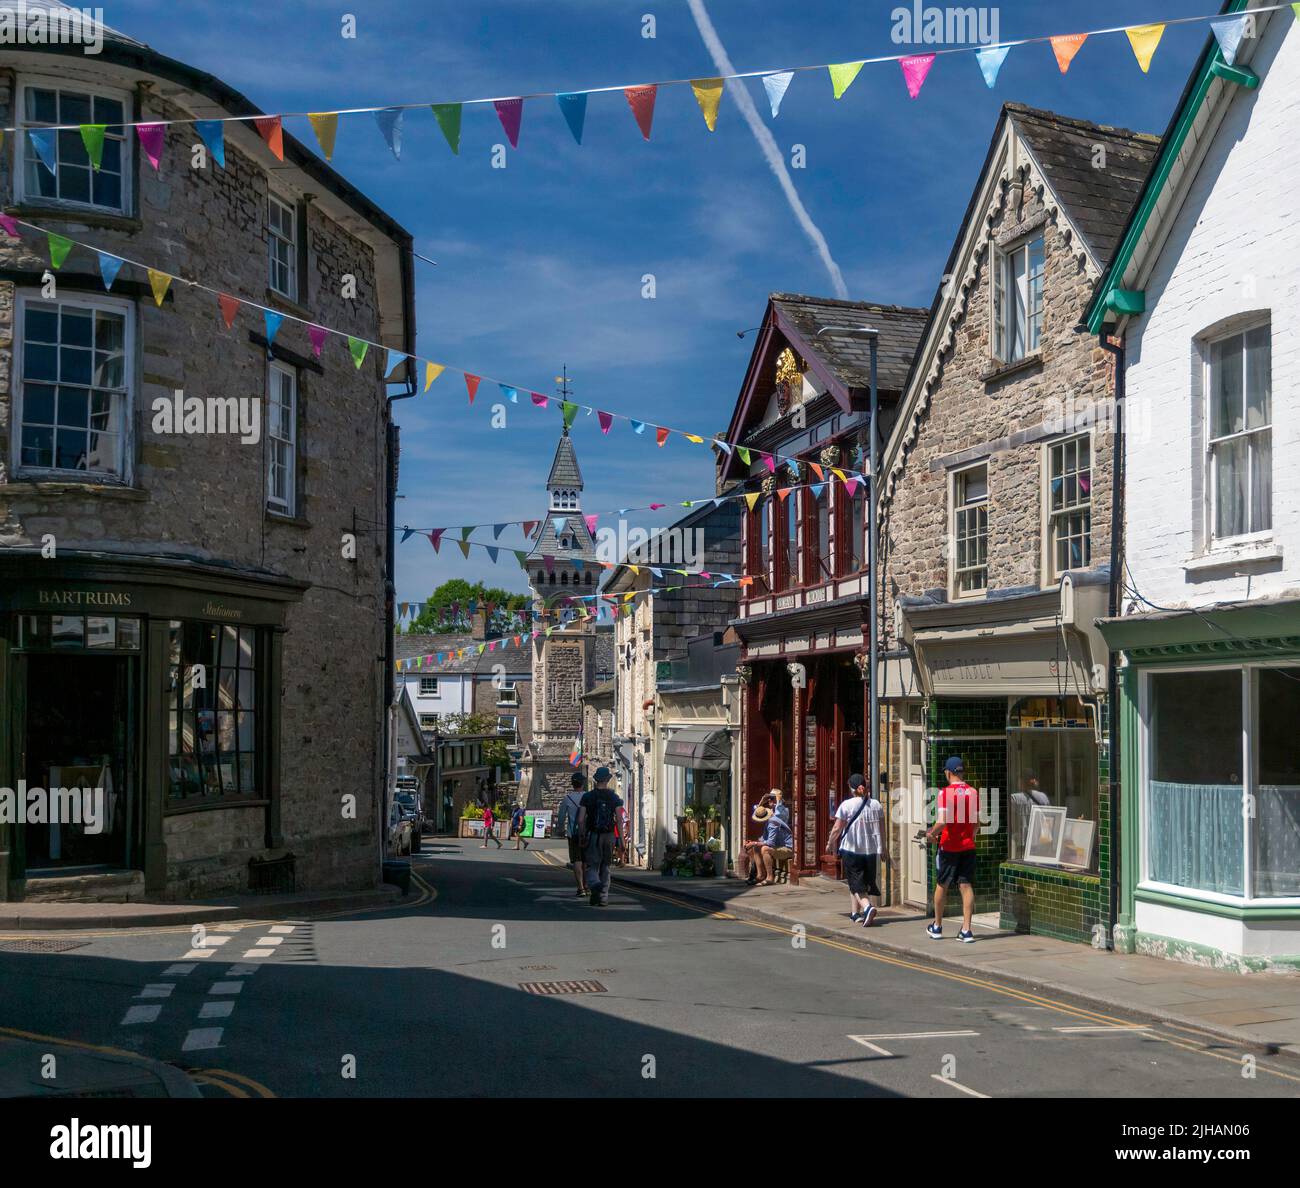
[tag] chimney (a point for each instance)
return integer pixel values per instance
(478, 625)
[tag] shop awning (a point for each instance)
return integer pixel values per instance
(706, 748)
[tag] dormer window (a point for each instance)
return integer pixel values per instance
(74, 180)
(1018, 300)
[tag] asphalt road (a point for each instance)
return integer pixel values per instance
(429, 1000)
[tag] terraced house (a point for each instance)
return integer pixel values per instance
(183, 622)
(995, 513)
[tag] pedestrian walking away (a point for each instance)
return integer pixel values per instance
(518, 819)
(568, 822)
(954, 828)
(488, 822)
(857, 830)
(597, 817)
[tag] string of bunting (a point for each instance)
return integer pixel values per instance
(1229, 30)
(60, 248)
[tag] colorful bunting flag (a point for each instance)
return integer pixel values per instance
(1144, 39)
(776, 86)
(431, 372)
(159, 282)
(7, 221)
(448, 117)
(708, 94)
(391, 360)
(229, 307)
(642, 102)
(497, 529)
(915, 68)
(661, 435)
(273, 133)
(317, 334)
(693, 438)
(637, 426)
(568, 410)
(1065, 47)
(817, 470)
(744, 454)
(990, 61)
(605, 419)
(357, 347)
(842, 76)
(540, 400)
(273, 321)
(463, 545)
(92, 136)
(213, 135)
(591, 522)
(389, 120)
(510, 112)
(326, 125)
(574, 109)
(471, 383)
(1229, 31)
(435, 538)
(151, 140)
(407, 533)
(43, 142)
(59, 246)
(109, 267)
(770, 462)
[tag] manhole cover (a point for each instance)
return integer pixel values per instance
(41, 946)
(579, 987)
(537, 968)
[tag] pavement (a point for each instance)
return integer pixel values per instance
(1261, 1010)
(49, 1067)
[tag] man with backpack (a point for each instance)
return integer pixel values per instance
(857, 830)
(568, 821)
(597, 816)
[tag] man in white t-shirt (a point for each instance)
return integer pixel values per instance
(857, 831)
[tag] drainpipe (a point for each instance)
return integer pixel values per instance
(1113, 610)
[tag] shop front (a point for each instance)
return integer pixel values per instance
(1211, 784)
(700, 729)
(154, 685)
(1014, 686)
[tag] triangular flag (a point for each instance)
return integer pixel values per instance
(391, 360)
(389, 120)
(816, 469)
(1065, 47)
(851, 484)
(521, 556)
(358, 348)
(109, 267)
(573, 107)
(407, 533)
(708, 94)
(326, 125)
(530, 526)
(448, 117)
(637, 426)
(273, 133)
(769, 461)
(915, 68)
(463, 545)
(990, 60)
(497, 529)
(92, 136)
(317, 334)
(1144, 39)
(693, 438)
(661, 436)
(776, 85)
(151, 140)
(213, 135)
(539, 400)
(435, 538)
(1229, 31)
(510, 112)
(605, 419)
(782, 492)
(471, 383)
(591, 522)
(43, 142)
(569, 410)
(816, 489)
(7, 221)
(431, 372)
(642, 102)
(60, 246)
(273, 321)
(159, 282)
(465, 534)
(229, 307)
(752, 497)
(842, 75)
(744, 454)
(724, 446)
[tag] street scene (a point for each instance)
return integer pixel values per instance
(688, 550)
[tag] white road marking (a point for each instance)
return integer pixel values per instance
(270, 940)
(282, 928)
(957, 1085)
(227, 987)
(211, 941)
(157, 990)
(141, 1014)
(1098, 1029)
(216, 1010)
(201, 1038)
(258, 953)
(199, 953)
(241, 971)
(895, 1035)
(866, 1044)
(179, 970)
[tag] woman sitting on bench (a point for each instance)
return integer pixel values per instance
(777, 837)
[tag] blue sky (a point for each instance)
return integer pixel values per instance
(541, 263)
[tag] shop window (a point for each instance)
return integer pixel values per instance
(1240, 448)
(970, 531)
(213, 714)
(1052, 769)
(1018, 300)
(74, 181)
(1069, 504)
(73, 402)
(97, 633)
(282, 435)
(282, 246)
(1275, 829)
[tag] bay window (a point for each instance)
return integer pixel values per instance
(1018, 300)
(1240, 446)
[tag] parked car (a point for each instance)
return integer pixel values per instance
(412, 809)
(401, 833)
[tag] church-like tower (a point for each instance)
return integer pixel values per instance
(563, 574)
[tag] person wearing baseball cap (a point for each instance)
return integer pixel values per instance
(858, 830)
(597, 821)
(954, 827)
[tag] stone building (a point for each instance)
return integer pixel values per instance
(183, 621)
(995, 539)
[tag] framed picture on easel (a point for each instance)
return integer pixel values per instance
(1045, 834)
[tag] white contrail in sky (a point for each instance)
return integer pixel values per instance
(766, 142)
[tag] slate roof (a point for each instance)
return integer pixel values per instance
(425, 645)
(848, 355)
(1098, 201)
(76, 18)
(564, 470)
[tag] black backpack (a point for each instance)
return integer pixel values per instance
(602, 819)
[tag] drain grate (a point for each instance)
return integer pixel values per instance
(41, 946)
(580, 987)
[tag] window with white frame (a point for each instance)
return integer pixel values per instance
(282, 246)
(970, 530)
(428, 721)
(428, 686)
(507, 694)
(282, 439)
(1069, 505)
(1018, 300)
(73, 400)
(1238, 375)
(75, 180)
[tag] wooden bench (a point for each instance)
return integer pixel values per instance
(781, 858)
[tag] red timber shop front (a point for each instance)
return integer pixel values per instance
(804, 616)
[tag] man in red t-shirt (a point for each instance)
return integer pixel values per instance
(954, 827)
